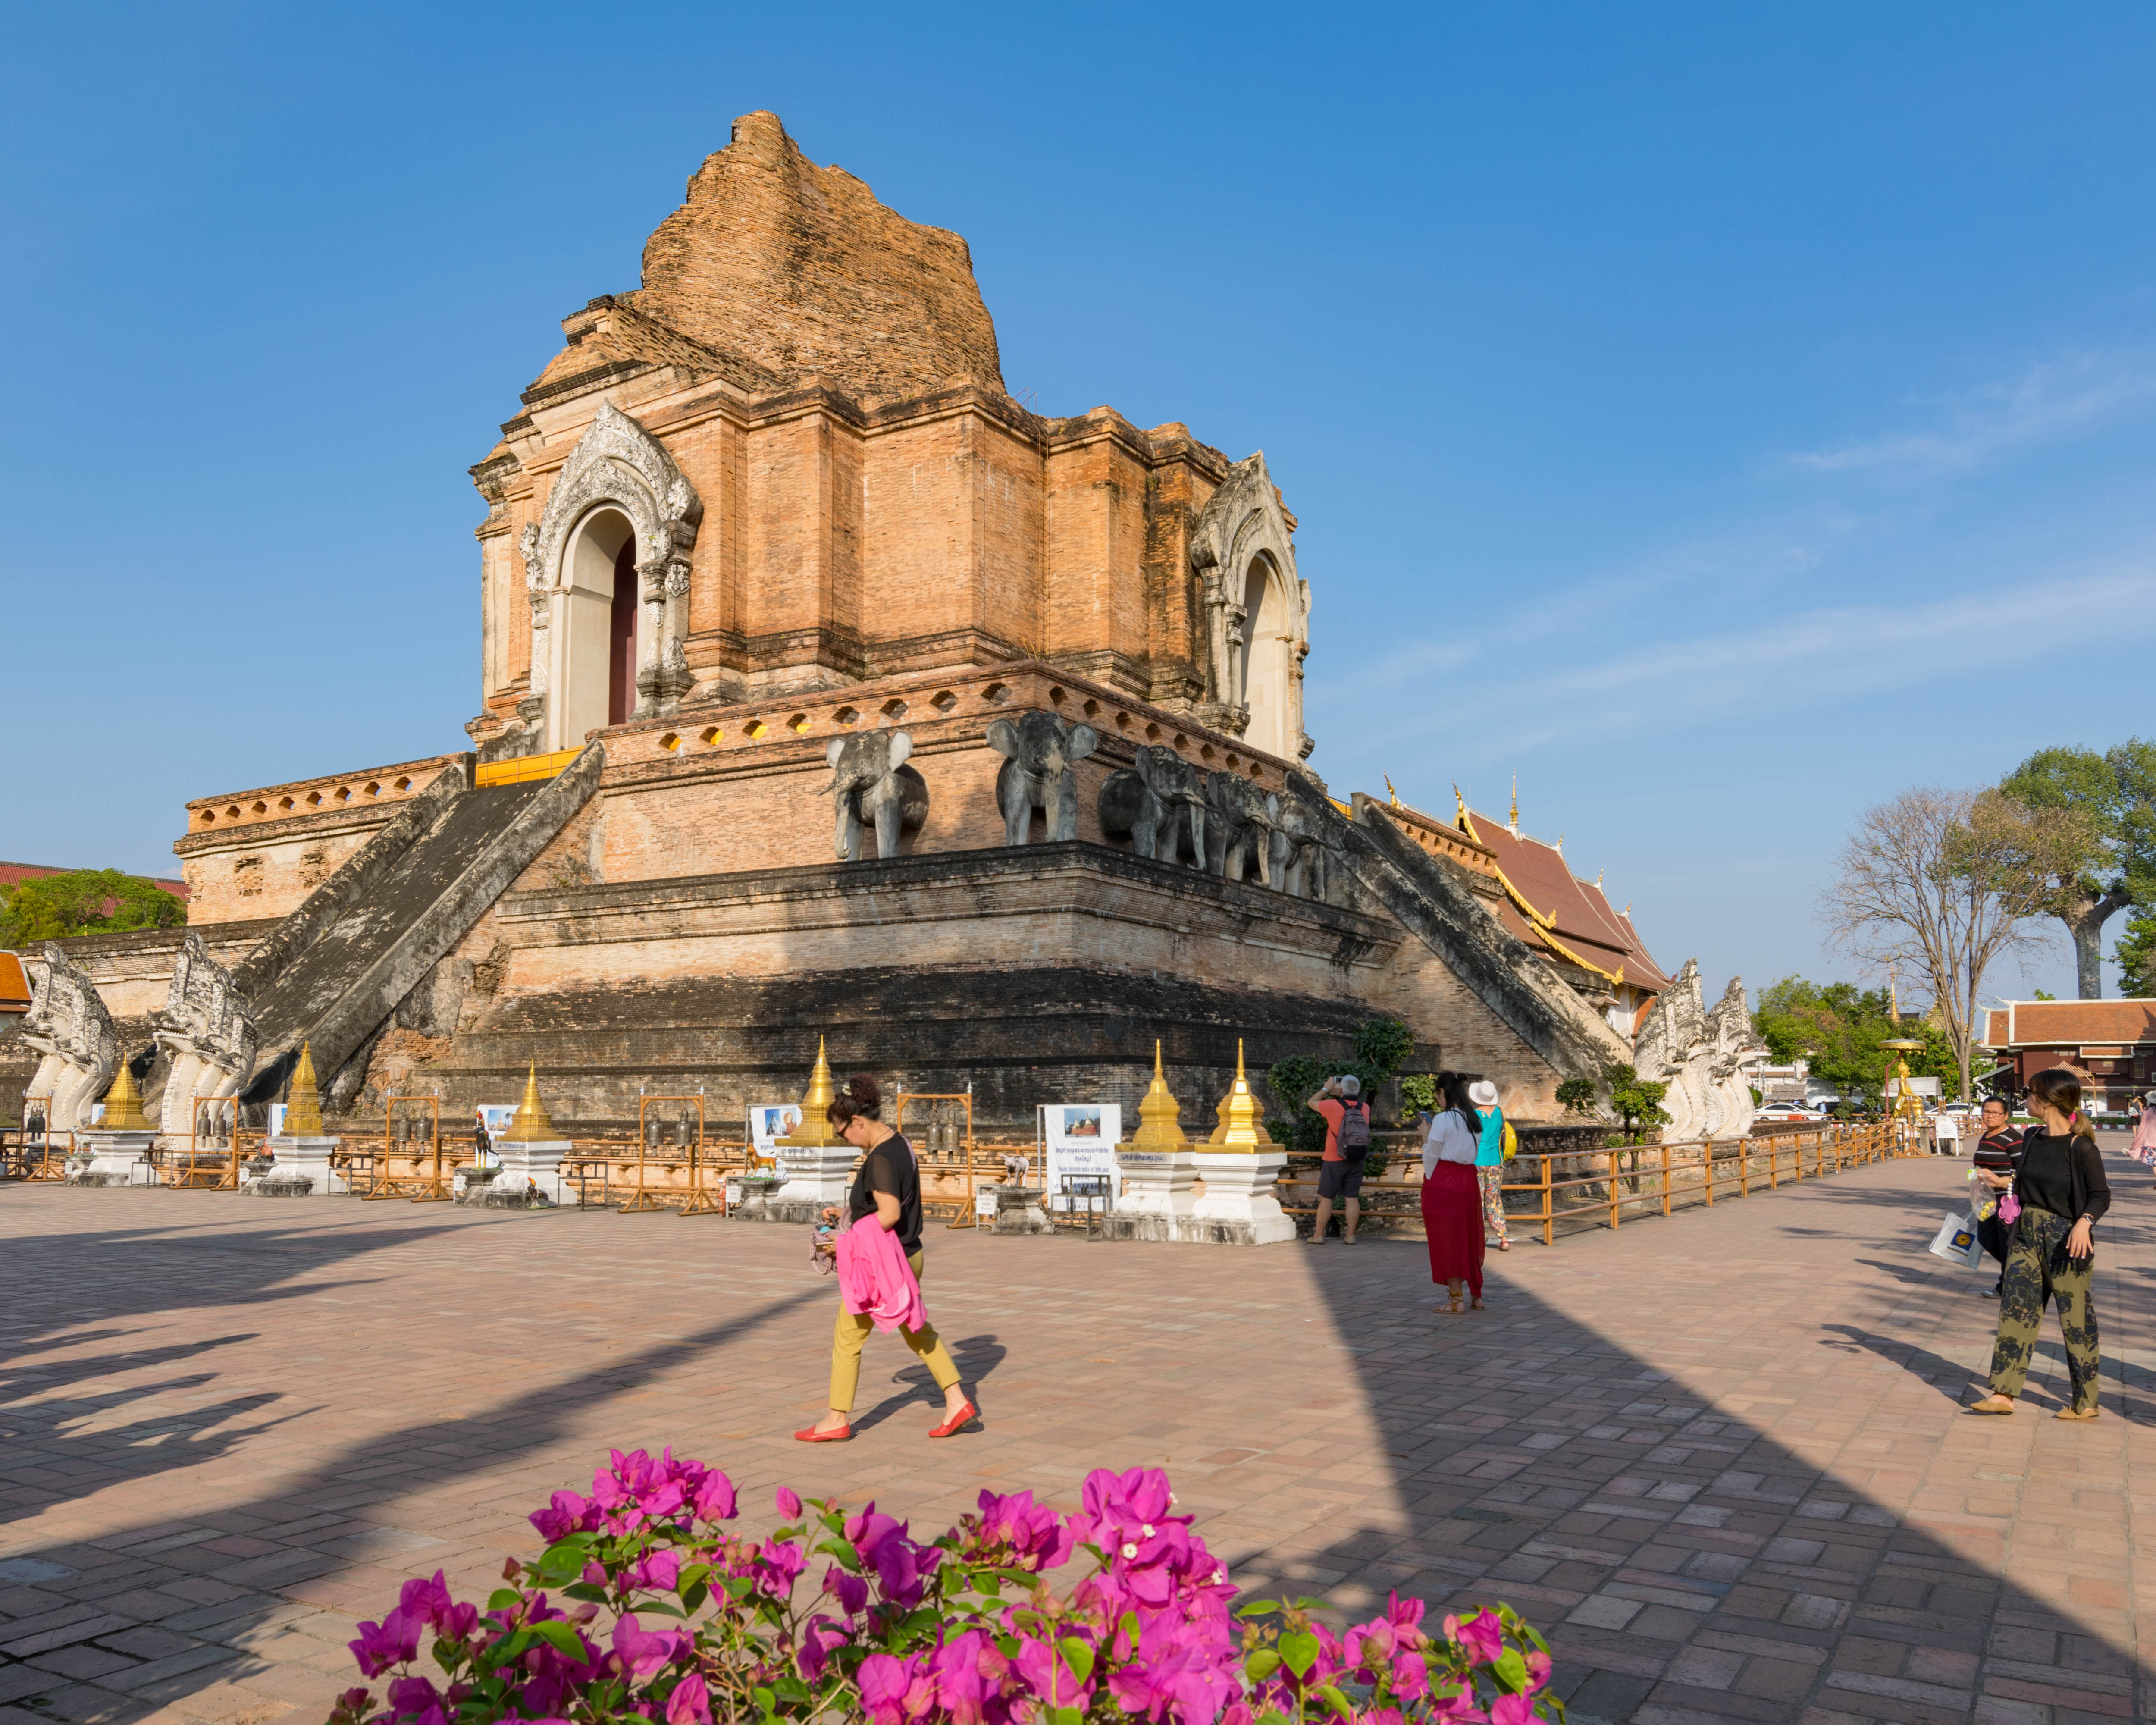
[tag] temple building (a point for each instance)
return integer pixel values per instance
(827, 692)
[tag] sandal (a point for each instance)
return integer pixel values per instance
(2072, 1413)
(1994, 1405)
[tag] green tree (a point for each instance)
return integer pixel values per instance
(1837, 1027)
(83, 901)
(1382, 1045)
(2104, 811)
(2136, 953)
(1636, 1103)
(1577, 1096)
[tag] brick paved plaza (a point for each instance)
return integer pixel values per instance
(1718, 1458)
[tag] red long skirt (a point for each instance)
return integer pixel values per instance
(1452, 1218)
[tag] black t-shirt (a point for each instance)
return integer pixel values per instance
(2046, 1180)
(890, 1168)
(2000, 1152)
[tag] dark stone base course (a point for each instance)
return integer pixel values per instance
(1019, 1035)
(279, 1186)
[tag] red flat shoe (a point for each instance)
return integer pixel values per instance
(957, 1420)
(811, 1435)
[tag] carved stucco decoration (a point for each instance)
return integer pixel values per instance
(206, 1029)
(68, 1025)
(618, 462)
(1242, 522)
(1699, 1055)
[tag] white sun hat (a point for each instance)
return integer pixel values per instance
(1483, 1093)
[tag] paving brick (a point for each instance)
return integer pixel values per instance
(1713, 1515)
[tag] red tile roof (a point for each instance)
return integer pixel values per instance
(2069, 1024)
(1551, 909)
(12, 873)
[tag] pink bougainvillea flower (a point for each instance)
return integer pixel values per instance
(789, 1502)
(417, 1700)
(1483, 1636)
(1025, 1534)
(428, 1600)
(567, 1513)
(690, 1703)
(900, 1565)
(713, 1498)
(1048, 1674)
(1410, 1675)
(642, 1652)
(818, 1641)
(895, 1691)
(659, 1570)
(394, 1640)
(1513, 1710)
(851, 1591)
(777, 1566)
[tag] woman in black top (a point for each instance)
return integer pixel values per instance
(886, 1195)
(2063, 1192)
(1998, 1160)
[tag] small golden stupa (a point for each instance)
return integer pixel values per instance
(123, 1105)
(303, 1101)
(1160, 1114)
(533, 1124)
(1242, 1125)
(814, 1132)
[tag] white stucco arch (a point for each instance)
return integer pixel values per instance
(1256, 612)
(618, 480)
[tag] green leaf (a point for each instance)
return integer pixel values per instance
(1261, 1664)
(515, 1646)
(1338, 1702)
(739, 1588)
(561, 1635)
(1511, 1670)
(503, 1598)
(585, 1590)
(1077, 1656)
(1298, 1652)
(1063, 1716)
(1257, 1608)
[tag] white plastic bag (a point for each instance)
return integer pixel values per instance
(1957, 1241)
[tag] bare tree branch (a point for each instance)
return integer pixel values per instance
(1944, 883)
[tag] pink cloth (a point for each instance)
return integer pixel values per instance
(2143, 1149)
(874, 1278)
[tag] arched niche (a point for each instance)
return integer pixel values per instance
(1256, 613)
(619, 523)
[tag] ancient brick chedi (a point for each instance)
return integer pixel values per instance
(826, 691)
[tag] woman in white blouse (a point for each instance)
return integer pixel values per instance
(1451, 1195)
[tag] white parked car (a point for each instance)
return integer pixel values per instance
(1784, 1112)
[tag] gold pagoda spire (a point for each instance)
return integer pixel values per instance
(814, 1132)
(303, 1101)
(1160, 1114)
(533, 1124)
(1242, 1127)
(123, 1105)
(1515, 822)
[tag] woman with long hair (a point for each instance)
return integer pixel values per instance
(2051, 1254)
(886, 1195)
(1451, 1195)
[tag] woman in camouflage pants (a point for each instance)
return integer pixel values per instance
(2052, 1254)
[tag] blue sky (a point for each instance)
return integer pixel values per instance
(1720, 417)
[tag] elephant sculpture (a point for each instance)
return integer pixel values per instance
(1156, 803)
(1305, 860)
(1040, 771)
(1239, 828)
(871, 783)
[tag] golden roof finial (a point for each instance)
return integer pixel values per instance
(1242, 1127)
(814, 1132)
(123, 1105)
(303, 1100)
(1160, 1113)
(1389, 791)
(1515, 822)
(533, 1124)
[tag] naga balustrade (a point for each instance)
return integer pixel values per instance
(1625, 1181)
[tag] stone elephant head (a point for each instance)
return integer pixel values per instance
(1238, 830)
(871, 783)
(1156, 803)
(1040, 753)
(1308, 862)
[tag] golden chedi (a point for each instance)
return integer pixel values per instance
(533, 1124)
(1242, 1123)
(1160, 1116)
(815, 1131)
(123, 1105)
(303, 1101)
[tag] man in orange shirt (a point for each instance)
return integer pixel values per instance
(1340, 1175)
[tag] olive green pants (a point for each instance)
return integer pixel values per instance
(853, 1330)
(2037, 1268)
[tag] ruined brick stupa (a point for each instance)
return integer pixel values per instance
(826, 690)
